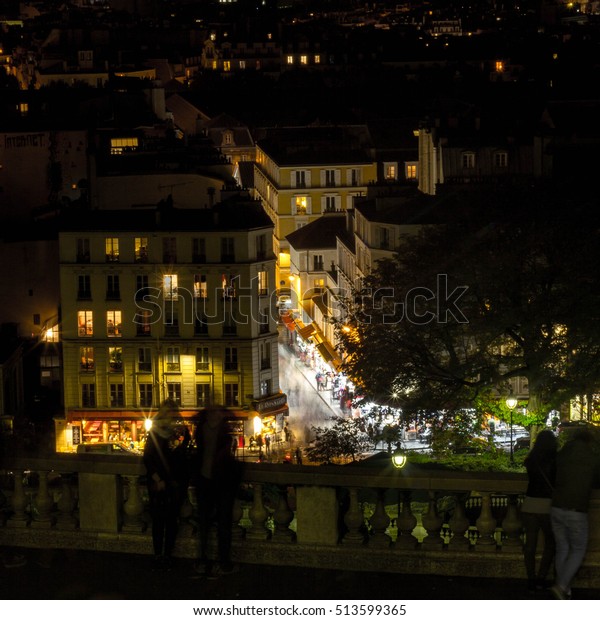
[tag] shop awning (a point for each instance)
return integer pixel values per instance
(306, 331)
(329, 354)
(288, 321)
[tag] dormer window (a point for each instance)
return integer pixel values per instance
(468, 160)
(228, 137)
(501, 159)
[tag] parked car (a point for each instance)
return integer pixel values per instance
(522, 443)
(104, 448)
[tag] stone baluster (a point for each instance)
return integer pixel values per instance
(257, 515)
(133, 506)
(486, 524)
(459, 524)
(511, 524)
(237, 531)
(379, 522)
(432, 522)
(19, 517)
(65, 519)
(43, 503)
(406, 523)
(354, 520)
(282, 517)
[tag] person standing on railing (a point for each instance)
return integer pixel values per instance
(166, 469)
(577, 473)
(216, 476)
(535, 511)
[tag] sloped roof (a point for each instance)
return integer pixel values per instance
(320, 234)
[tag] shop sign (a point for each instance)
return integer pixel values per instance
(270, 404)
(76, 435)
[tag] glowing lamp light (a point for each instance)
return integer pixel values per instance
(511, 402)
(257, 425)
(399, 459)
(147, 424)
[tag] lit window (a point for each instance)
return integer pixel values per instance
(115, 359)
(141, 249)
(303, 60)
(262, 283)
(200, 286)
(214, 64)
(113, 323)
(118, 146)
(242, 64)
(226, 65)
(51, 334)
(227, 138)
(411, 171)
(85, 322)
(290, 60)
(499, 66)
(390, 172)
(86, 356)
(170, 286)
(468, 160)
(112, 249)
(265, 387)
(301, 205)
(317, 59)
(228, 286)
(142, 321)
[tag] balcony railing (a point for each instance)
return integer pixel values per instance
(374, 519)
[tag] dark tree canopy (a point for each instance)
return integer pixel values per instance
(508, 288)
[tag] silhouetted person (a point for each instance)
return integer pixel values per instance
(165, 461)
(577, 472)
(535, 511)
(216, 476)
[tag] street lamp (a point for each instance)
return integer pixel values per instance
(511, 403)
(399, 458)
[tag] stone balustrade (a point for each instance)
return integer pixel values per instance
(365, 518)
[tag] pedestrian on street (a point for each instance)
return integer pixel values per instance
(298, 456)
(217, 475)
(535, 511)
(577, 472)
(268, 445)
(165, 458)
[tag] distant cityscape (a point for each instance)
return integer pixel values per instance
(246, 159)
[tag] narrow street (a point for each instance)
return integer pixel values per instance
(308, 407)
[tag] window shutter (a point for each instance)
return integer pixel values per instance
(292, 178)
(307, 178)
(308, 205)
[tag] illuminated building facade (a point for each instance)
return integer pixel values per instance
(166, 304)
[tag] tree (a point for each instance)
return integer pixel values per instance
(345, 439)
(506, 287)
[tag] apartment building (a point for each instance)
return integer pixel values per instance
(167, 304)
(302, 173)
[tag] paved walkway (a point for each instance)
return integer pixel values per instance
(78, 575)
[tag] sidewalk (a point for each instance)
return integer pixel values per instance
(80, 575)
